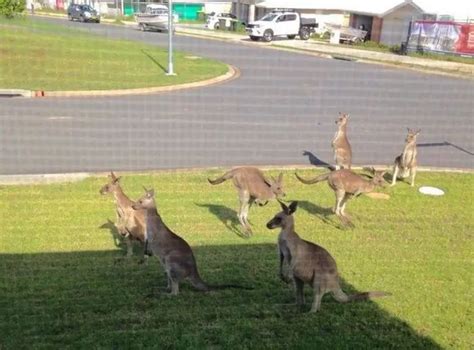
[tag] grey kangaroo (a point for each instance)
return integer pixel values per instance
(340, 144)
(130, 223)
(174, 253)
(346, 184)
(406, 162)
(253, 186)
(309, 263)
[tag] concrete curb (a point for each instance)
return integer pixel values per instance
(232, 73)
(39, 179)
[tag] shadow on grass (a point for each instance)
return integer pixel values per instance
(228, 216)
(324, 214)
(154, 60)
(83, 299)
(117, 239)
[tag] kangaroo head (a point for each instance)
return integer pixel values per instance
(283, 218)
(112, 185)
(276, 185)
(146, 201)
(377, 176)
(411, 136)
(342, 119)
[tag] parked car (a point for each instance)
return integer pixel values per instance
(213, 19)
(83, 13)
(281, 23)
(155, 17)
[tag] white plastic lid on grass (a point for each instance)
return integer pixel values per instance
(431, 191)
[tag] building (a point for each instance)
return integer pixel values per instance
(387, 21)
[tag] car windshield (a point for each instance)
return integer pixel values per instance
(86, 8)
(269, 17)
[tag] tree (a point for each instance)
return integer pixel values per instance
(9, 8)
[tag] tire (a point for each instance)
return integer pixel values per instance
(304, 33)
(69, 17)
(82, 19)
(291, 37)
(254, 38)
(216, 26)
(267, 35)
(142, 27)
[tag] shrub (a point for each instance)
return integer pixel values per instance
(9, 8)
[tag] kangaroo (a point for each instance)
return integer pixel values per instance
(309, 263)
(406, 162)
(175, 254)
(340, 144)
(346, 184)
(252, 186)
(130, 223)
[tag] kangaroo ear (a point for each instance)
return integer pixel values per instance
(347, 116)
(280, 178)
(292, 207)
(418, 132)
(146, 190)
(151, 192)
(112, 175)
(284, 207)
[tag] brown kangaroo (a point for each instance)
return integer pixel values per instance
(340, 144)
(406, 162)
(309, 263)
(346, 184)
(253, 186)
(130, 223)
(175, 254)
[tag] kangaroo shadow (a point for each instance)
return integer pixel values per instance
(326, 215)
(116, 237)
(445, 143)
(80, 296)
(314, 160)
(226, 215)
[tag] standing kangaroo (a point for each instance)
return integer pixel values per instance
(253, 186)
(309, 263)
(130, 223)
(406, 162)
(174, 253)
(340, 144)
(345, 185)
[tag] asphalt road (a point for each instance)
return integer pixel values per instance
(282, 105)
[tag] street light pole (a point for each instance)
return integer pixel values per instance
(170, 38)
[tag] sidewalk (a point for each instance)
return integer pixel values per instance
(339, 51)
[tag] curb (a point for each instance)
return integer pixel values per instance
(45, 179)
(232, 73)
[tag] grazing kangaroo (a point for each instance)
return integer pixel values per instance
(346, 184)
(130, 223)
(175, 254)
(340, 144)
(309, 263)
(253, 186)
(406, 162)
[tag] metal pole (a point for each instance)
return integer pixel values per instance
(170, 38)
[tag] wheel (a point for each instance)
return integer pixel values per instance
(304, 33)
(291, 37)
(268, 35)
(142, 27)
(216, 26)
(69, 17)
(254, 38)
(82, 19)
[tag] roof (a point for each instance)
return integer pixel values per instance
(379, 8)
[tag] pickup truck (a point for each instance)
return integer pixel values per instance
(281, 23)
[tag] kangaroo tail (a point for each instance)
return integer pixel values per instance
(228, 286)
(314, 180)
(228, 175)
(342, 297)
(199, 284)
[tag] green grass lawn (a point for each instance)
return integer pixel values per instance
(65, 282)
(41, 56)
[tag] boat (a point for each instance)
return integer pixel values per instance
(155, 17)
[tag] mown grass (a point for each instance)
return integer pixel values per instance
(42, 56)
(65, 282)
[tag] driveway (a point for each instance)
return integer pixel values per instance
(283, 104)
